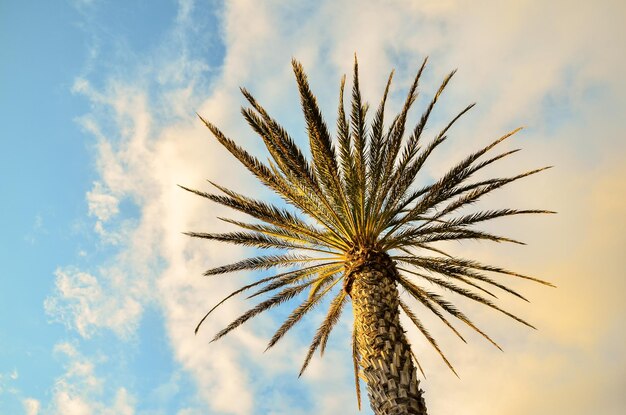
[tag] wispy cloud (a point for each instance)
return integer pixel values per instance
(79, 391)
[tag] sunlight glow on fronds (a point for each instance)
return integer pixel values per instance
(357, 195)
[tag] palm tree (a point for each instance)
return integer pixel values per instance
(360, 230)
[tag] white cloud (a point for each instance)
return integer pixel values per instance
(66, 348)
(81, 391)
(65, 403)
(124, 404)
(102, 204)
(114, 295)
(82, 301)
(31, 406)
(516, 59)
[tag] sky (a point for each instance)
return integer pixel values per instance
(100, 291)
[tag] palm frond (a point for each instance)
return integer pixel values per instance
(357, 121)
(257, 168)
(477, 265)
(446, 306)
(477, 193)
(417, 236)
(254, 239)
(306, 306)
(273, 133)
(469, 294)
(260, 170)
(420, 296)
(425, 247)
(440, 191)
(486, 215)
(287, 235)
(355, 364)
(407, 170)
(283, 296)
(393, 141)
(322, 148)
(292, 163)
(426, 334)
(401, 180)
(346, 160)
(297, 272)
(261, 262)
(270, 214)
(455, 271)
(298, 275)
(396, 130)
(321, 336)
(376, 145)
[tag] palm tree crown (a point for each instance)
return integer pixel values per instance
(356, 202)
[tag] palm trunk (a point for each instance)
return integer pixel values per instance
(385, 354)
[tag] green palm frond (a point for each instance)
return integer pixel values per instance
(426, 334)
(253, 239)
(395, 133)
(429, 299)
(325, 284)
(345, 153)
(284, 234)
(283, 296)
(407, 168)
(299, 275)
(277, 281)
(458, 272)
(357, 121)
(424, 299)
(376, 143)
(261, 262)
(357, 195)
(355, 365)
(321, 336)
(444, 283)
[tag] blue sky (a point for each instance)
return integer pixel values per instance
(100, 291)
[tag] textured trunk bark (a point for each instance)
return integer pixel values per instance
(385, 354)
